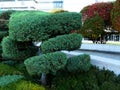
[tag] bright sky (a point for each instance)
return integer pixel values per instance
(77, 5)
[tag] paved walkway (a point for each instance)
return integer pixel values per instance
(102, 55)
(101, 47)
(102, 62)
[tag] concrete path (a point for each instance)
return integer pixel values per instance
(101, 62)
(101, 47)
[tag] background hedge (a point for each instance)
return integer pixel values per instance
(37, 26)
(63, 42)
(17, 50)
(78, 63)
(4, 20)
(45, 63)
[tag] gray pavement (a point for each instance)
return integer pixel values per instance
(101, 47)
(101, 54)
(100, 61)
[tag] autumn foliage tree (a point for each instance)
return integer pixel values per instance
(103, 9)
(115, 15)
(93, 28)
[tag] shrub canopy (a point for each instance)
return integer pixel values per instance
(37, 26)
(17, 50)
(63, 42)
(79, 63)
(45, 63)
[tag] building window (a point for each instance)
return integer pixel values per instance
(58, 4)
(6, 0)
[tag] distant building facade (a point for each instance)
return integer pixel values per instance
(43, 5)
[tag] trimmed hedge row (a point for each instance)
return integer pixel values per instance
(62, 23)
(17, 50)
(63, 42)
(27, 26)
(37, 26)
(78, 63)
(45, 63)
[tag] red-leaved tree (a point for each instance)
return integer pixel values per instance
(115, 15)
(103, 9)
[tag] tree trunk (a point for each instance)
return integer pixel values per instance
(43, 79)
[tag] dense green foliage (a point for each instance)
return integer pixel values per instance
(27, 85)
(3, 34)
(93, 27)
(23, 85)
(78, 63)
(94, 79)
(115, 15)
(62, 23)
(4, 20)
(8, 70)
(45, 63)
(5, 80)
(17, 50)
(63, 42)
(27, 26)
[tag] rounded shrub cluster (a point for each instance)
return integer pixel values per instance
(45, 63)
(62, 42)
(62, 23)
(27, 26)
(78, 63)
(36, 26)
(17, 50)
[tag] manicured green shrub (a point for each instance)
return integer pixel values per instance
(8, 70)
(62, 23)
(78, 63)
(5, 80)
(17, 50)
(45, 63)
(27, 26)
(63, 42)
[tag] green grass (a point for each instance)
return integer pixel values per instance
(23, 85)
(8, 70)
